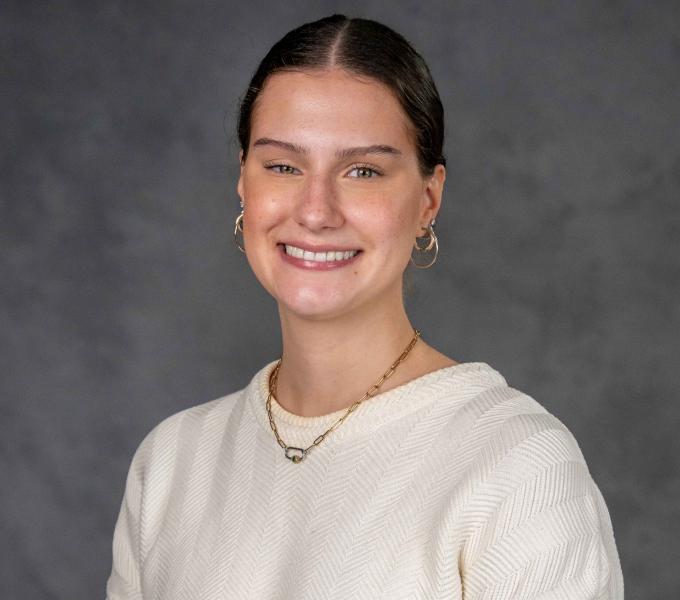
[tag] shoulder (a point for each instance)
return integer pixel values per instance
(491, 429)
(184, 428)
(503, 421)
(530, 504)
(505, 442)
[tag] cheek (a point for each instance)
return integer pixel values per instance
(262, 203)
(392, 221)
(263, 208)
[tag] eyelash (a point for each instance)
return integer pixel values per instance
(276, 168)
(376, 172)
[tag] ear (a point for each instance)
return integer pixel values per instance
(432, 197)
(239, 185)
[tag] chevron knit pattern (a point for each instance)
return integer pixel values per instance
(453, 486)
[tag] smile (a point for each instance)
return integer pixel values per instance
(329, 256)
(317, 259)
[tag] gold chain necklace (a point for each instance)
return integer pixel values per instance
(298, 454)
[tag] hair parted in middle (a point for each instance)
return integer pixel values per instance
(365, 48)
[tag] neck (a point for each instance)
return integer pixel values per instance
(328, 365)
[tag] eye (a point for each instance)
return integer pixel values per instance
(281, 169)
(363, 172)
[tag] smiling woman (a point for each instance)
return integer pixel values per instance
(363, 463)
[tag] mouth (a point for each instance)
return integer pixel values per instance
(319, 256)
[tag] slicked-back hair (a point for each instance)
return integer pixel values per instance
(365, 48)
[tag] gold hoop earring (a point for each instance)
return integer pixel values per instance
(238, 229)
(432, 242)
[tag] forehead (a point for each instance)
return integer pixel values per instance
(330, 107)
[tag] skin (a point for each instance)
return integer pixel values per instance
(342, 327)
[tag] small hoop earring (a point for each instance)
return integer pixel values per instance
(238, 229)
(432, 242)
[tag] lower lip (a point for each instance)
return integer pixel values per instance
(312, 265)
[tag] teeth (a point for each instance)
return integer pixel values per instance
(319, 256)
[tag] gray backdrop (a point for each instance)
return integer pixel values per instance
(124, 300)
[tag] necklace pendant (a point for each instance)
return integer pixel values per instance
(295, 454)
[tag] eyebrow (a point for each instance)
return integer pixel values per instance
(373, 149)
(343, 153)
(279, 144)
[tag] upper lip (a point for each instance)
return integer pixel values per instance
(319, 248)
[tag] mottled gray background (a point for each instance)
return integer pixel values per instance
(123, 299)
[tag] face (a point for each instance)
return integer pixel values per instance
(333, 193)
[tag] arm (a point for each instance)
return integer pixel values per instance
(539, 527)
(124, 582)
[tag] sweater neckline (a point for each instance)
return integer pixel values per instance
(457, 381)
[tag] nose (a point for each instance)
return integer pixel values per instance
(317, 204)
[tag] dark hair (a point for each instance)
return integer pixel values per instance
(366, 48)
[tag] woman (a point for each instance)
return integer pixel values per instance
(364, 463)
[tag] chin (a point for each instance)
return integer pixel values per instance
(313, 304)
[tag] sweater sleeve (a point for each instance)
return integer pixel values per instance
(124, 582)
(538, 527)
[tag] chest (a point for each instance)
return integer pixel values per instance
(352, 522)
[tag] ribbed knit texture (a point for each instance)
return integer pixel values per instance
(453, 486)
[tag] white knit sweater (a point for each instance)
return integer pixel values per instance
(453, 486)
